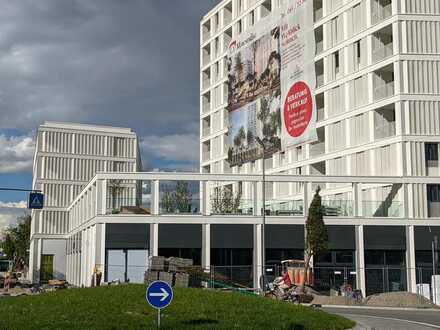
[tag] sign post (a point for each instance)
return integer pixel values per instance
(159, 295)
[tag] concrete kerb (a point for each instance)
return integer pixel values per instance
(376, 308)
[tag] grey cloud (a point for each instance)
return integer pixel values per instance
(126, 63)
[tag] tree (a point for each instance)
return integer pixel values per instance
(8, 246)
(17, 242)
(316, 233)
(179, 200)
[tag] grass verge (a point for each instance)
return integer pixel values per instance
(124, 307)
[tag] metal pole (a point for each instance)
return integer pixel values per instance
(433, 257)
(263, 227)
(158, 318)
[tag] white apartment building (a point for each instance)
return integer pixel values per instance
(66, 157)
(376, 160)
(378, 101)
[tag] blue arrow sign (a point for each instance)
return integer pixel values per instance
(36, 201)
(159, 294)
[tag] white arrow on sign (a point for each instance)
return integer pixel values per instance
(164, 294)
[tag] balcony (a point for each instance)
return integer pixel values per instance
(206, 31)
(383, 82)
(384, 91)
(319, 68)
(383, 44)
(317, 149)
(384, 122)
(380, 10)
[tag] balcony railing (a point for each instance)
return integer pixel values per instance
(385, 130)
(384, 91)
(317, 149)
(206, 83)
(383, 209)
(320, 80)
(206, 156)
(206, 131)
(382, 52)
(380, 13)
(285, 208)
(337, 208)
(318, 14)
(319, 47)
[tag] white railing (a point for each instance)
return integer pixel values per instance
(384, 91)
(386, 130)
(380, 13)
(382, 52)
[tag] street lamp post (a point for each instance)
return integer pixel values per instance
(263, 227)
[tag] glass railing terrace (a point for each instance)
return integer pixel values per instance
(382, 209)
(183, 206)
(337, 208)
(285, 208)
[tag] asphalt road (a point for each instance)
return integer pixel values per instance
(390, 319)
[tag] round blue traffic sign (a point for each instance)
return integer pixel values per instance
(159, 294)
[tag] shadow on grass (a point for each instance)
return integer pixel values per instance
(200, 322)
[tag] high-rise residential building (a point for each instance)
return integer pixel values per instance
(377, 68)
(66, 157)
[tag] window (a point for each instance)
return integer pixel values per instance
(431, 151)
(358, 50)
(433, 193)
(337, 62)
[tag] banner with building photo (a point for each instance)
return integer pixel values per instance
(269, 96)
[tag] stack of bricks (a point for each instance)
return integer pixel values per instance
(171, 270)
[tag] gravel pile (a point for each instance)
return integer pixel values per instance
(398, 299)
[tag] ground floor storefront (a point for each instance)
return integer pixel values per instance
(370, 258)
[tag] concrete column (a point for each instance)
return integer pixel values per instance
(154, 239)
(206, 246)
(101, 197)
(411, 259)
(306, 196)
(205, 196)
(101, 260)
(257, 188)
(357, 199)
(360, 259)
(257, 255)
(155, 197)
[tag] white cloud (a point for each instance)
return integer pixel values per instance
(175, 147)
(13, 205)
(16, 154)
(8, 216)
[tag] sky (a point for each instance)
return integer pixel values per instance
(123, 63)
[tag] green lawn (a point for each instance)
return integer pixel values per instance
(124, 307)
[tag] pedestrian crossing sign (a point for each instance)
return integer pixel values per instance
(36, 201)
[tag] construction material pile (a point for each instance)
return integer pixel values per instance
(172, 270)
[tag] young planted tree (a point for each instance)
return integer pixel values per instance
(316, 233)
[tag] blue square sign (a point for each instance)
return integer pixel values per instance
(36, 201)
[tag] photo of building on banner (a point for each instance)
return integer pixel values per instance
(270, 94)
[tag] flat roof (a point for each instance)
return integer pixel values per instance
(211, 11)
(87, 127)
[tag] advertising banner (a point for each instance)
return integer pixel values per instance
(271, 81)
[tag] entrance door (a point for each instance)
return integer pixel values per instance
(116, 265)
(46, 272)
(137, 261)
